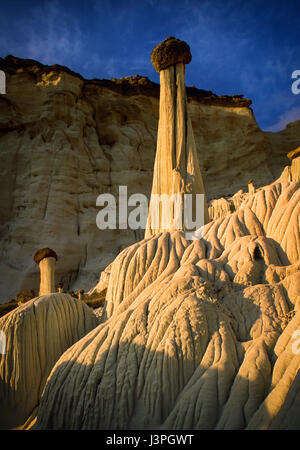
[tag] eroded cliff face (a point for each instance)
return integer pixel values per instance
(65, 140)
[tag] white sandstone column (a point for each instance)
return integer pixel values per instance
(81, 294)
(176, 168)
(46, 259)
(251, 187)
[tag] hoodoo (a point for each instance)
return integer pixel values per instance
(176, 169)
(46, 259)
(251, 187)
(80, 294)
(294, 155)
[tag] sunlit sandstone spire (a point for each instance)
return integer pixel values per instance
(176, 168)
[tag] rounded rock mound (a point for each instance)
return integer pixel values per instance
(170, 51)
(37, 334)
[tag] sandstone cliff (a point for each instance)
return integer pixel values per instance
(65, 140)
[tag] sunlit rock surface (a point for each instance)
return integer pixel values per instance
(194, 335)
(65, 140)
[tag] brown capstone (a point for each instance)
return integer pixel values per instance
(44, 253)
(294, 153)
(169, 52)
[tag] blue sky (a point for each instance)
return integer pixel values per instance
(238, 47)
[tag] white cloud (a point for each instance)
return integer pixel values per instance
(53, 35)
(289, 116)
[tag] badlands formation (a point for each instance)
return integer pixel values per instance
(195, 335)
(65, 140)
